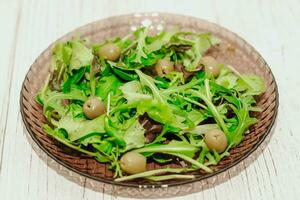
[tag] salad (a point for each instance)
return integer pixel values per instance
(148, 98)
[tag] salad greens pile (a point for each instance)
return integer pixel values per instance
(184, 101)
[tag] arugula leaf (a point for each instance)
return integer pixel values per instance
(92, 138)
(160, 159)
(104, 146)
(149, 82)
(244, 121)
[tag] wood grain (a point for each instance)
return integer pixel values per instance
(271, 26)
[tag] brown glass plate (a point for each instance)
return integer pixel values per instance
(233, 50)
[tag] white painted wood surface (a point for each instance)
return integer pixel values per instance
(271, 26)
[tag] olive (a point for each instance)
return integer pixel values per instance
(216, 140)
(163, 66)
(93, 108)
(133, 162)
(109, 51)
(211, 65)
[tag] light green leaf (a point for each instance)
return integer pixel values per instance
(106, 85)
(53, 99)
(81, 55)
(140, 49)
(134, 136)
(78, 128)
(174, 146)
(160, 40)
(195, 116)
(227, 79)
(132, 91)
(252, 84)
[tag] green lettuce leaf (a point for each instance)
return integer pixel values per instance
(160, 40)
(251, 84)
(140, 49)
(61, 55)
(193, 56)
(132, 91)
(134, 136)
(81, 55)
(53, 100)
(78, 128)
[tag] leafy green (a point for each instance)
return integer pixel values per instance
(140, 53)
(78, 128)
(81, 55)
(74, 79)
(72, 54)
(53, 100)
(173, 147)
(132, 91)
(160, 117)
(200, 45)
(106, 85)
(134, 136)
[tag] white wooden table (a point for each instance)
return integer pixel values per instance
(271, 26)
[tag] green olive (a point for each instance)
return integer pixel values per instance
(163, 66)
(110, 52)
(216, 140)
(93, 108)
(211, 65)
(133, 163)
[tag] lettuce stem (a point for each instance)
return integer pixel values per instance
(151, 173)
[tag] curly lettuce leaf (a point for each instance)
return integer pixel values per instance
(250, 85)
(134, 136)
(141, 34)
(81, 55)
(78, 128)
(61, 55)
(158, 41)
(53, 100)
(201, 44)
(132, 91)
(73, 54)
